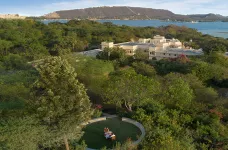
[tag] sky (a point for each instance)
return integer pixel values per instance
(41, 7)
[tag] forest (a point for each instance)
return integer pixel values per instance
(47, 90)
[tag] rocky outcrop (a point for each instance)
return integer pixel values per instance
(53, 15)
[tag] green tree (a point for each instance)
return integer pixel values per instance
(115, 54)
(141, 55)
(178, 93)
(144, 69)
(14, 61)
(73, 43)
(127, 145)
(11, 92)
(161, 128)
(60, 101)
(4, 47)
(129, 89)
(215, 46)
(35, 51)
(217, 58)
(21, 133)
(202, 93)
(206, 72)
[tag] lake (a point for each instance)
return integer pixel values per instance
(217, 29)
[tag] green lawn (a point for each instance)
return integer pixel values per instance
(94, 133)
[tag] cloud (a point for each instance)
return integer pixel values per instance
(73, 5)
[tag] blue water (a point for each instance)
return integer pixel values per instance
(212, 28)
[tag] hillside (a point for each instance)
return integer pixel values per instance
(125, 12)
(208, 17)
(49, 90)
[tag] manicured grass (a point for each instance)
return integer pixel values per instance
(94, 133)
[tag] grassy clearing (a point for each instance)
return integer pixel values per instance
(94, 133)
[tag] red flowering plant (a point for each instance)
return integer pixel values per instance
(217, 113)
(98, 106)
(182, 59)
(97, 110)
(33, 65)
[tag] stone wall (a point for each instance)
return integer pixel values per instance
(139, 125)
(94, 120)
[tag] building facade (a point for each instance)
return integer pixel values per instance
(159, 48)
(11, 16)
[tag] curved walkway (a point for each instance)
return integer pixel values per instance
(139, 125)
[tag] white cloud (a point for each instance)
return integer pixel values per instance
(73, 5)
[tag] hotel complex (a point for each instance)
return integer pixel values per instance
(159, 47)
(11, 16)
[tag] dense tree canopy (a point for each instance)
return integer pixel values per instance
(34, 39)
(60, 100)
(179, 94)
(135, 89)
(21, 134)
(182, 103)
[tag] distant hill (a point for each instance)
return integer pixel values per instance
(208, 17)
(125, 12)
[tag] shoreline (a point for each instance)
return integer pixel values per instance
(203, 27)
(223, 32)
(166, 20)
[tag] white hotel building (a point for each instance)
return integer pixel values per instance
(159, 47)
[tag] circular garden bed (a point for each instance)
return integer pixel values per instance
(94, 133)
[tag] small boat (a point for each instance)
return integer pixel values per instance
(194, 22)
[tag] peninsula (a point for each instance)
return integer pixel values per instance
(130, 13)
